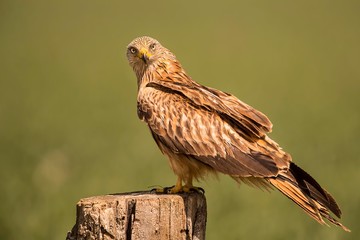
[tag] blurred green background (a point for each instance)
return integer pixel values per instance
(68, 123)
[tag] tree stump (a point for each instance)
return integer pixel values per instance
(141, 215)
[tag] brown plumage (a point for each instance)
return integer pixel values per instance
(201, 130)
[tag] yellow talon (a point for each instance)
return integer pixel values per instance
(178, 188)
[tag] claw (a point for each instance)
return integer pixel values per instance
(175, 189)
(161, 190)
(193, 189)
(178, 188)
(198, 190)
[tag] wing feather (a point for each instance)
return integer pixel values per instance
(197, 130)
(228, 106)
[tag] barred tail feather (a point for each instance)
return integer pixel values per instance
(302, 189)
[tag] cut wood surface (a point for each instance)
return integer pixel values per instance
(141, 215)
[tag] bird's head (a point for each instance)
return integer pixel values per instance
(144, 52)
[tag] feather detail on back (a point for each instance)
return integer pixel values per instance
(224, 104)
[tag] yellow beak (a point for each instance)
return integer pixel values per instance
(144, 55)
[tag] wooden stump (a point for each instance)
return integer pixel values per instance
(141, 215)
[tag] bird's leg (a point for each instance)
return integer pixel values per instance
(174, 189)
(188, 187)
(177, 188)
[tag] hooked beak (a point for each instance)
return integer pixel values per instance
(144, 55)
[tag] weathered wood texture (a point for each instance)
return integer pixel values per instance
(141, 215)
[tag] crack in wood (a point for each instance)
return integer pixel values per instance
(130, 218)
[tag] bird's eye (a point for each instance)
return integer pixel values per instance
(132, 50)
(152, 46)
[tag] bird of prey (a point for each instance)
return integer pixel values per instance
(203, 130)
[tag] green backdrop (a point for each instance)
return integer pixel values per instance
(68, 123)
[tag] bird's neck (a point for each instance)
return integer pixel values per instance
(163, 70)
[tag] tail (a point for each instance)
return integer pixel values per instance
(301, 188)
